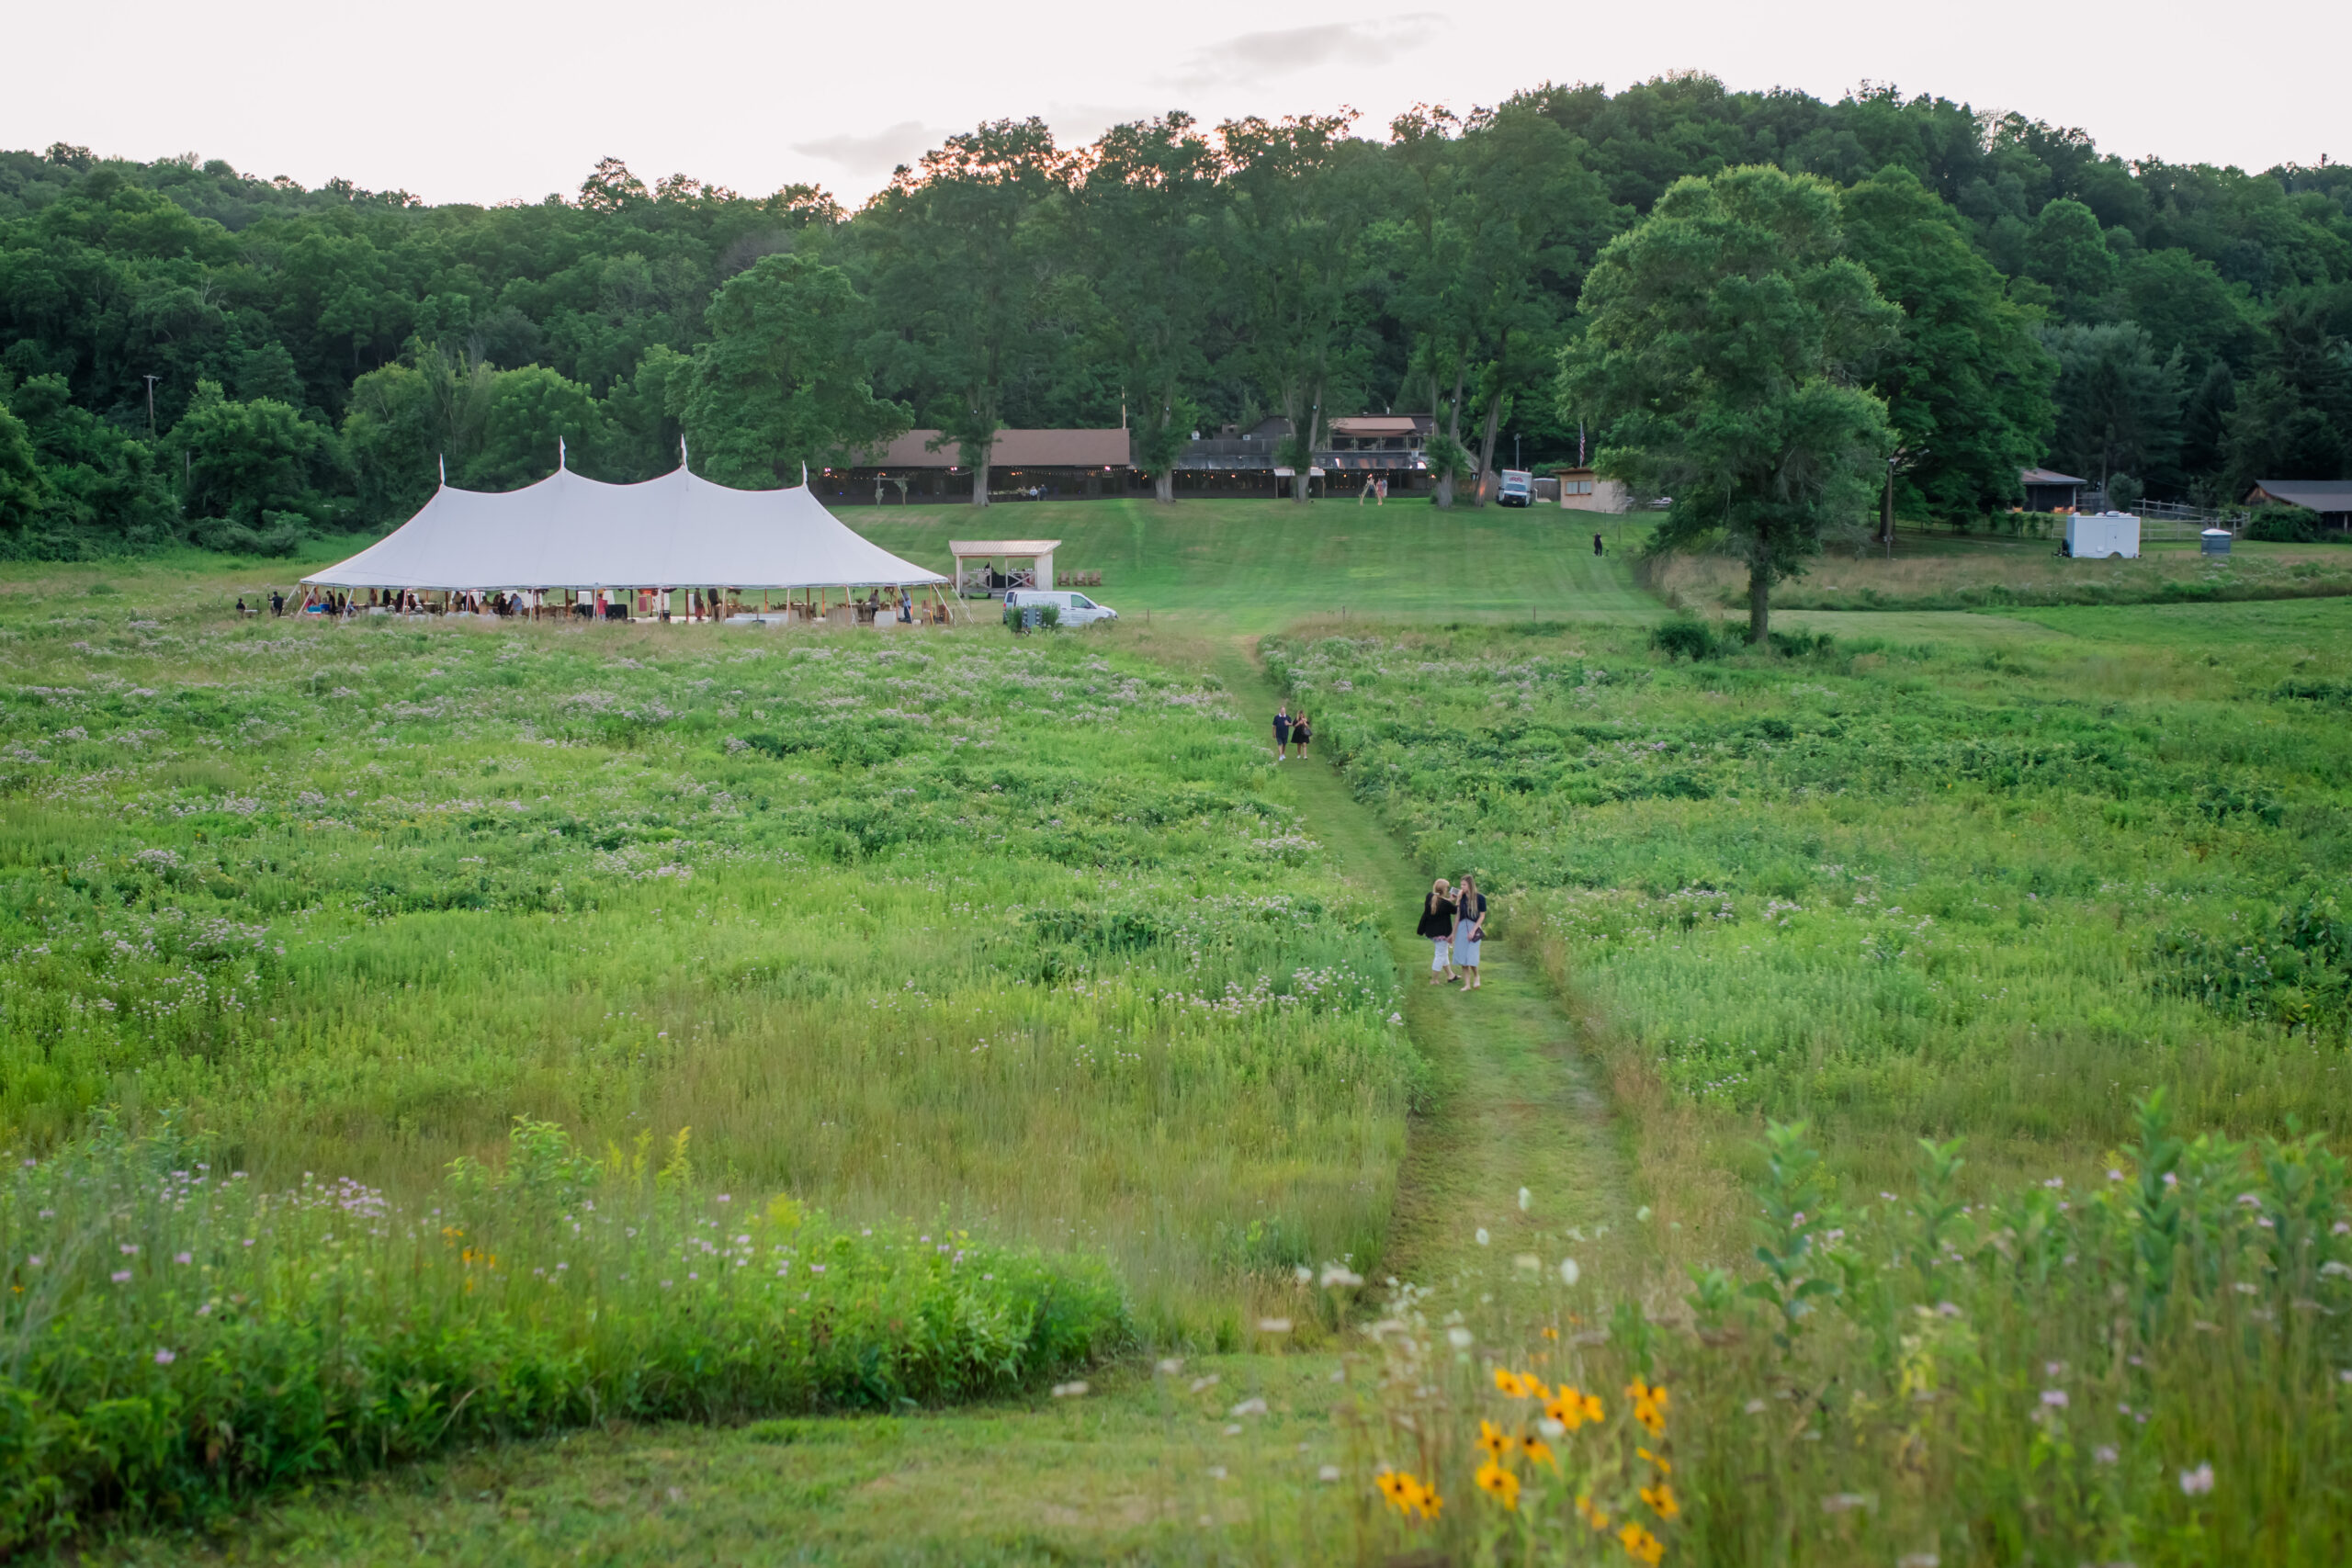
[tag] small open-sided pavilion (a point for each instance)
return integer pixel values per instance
(978, 571)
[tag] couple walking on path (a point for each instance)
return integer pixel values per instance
(1454, 919)
(1290, 730)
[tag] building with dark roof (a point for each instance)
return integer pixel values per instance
(922, 465)
(1356, 446)
(2046, 490)
(2331, 498)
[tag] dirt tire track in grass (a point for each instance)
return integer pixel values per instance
(1516, 1099)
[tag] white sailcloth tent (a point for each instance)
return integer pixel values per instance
(678, 531)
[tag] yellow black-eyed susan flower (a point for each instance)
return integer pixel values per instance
(1640, 1545)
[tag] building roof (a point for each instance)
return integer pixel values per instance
(959, 549)
(2048, 477)
(1012, 449)
(2318, 495)
(568, 531)
(1378, 424)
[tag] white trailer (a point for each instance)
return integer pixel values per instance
(2100, 536)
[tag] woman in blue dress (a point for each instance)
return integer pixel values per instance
(1469, 926)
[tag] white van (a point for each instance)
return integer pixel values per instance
(1518, 489)
(1077, 609)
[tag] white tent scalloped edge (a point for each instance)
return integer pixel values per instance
(678, 531)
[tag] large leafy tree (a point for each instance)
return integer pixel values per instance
(1423, 251)
(2119, 404)
(1725, 337)
(2069, 253)
(23, 492)
(1966, 383)
(783, 380)
(252, 470)
(2294, 419)
(532, 419)
(413, 422)
(101, 483)
(1530, 213)
(1302, 198)
(963, 262)
(1147, 211)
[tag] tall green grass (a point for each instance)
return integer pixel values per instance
(2150, 1369)
(1022, 930)
(1899, 890)
(176, 1337)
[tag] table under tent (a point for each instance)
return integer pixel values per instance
(676, 547)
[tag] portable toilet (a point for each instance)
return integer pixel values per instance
(2214, 542)
(2100, 535)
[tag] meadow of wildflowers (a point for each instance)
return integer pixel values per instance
(1009, 953)
(1999, 885)
(2155, 1371)
(1025, 924)
(176, 1336)
(2065, 897)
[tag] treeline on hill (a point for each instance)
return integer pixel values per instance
(190, 353)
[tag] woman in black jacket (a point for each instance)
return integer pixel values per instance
(1436, 924)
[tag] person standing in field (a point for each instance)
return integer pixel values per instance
(1596, 544)
(1282, 731)
(1380, 492)
(1301, 732)
(1437, 925)
(1365, 494)
(1469, 927)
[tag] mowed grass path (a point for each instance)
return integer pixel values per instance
(1516, 1102)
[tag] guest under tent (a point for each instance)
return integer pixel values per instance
(577, 544)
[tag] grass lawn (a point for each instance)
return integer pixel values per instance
(1944, 572)
(1258, 565)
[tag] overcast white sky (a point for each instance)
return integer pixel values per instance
(482, 100)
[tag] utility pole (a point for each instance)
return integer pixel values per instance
(151, 406)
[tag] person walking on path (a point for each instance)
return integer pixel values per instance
(1301, 732)
(1437, 925)
(1469, 926)
(1282, 731)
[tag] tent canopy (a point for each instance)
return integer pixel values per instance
(678, 531)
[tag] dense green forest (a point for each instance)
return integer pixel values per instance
(189, 353)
